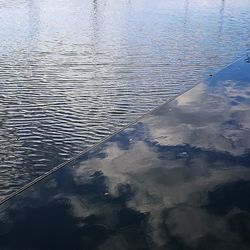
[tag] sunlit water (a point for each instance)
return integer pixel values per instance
(74, 71)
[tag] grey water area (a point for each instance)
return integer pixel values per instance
(74, 71)
(179, 178)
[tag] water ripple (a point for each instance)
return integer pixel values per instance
(72, 72)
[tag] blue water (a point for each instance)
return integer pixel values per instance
(72, 72)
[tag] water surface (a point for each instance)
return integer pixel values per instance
(72, 72)
(179, 179)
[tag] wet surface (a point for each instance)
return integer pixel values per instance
(72, 72)
(177, 179)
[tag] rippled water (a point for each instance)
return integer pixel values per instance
(74, 71)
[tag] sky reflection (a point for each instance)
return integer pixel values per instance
(177, 179)
(74, 71)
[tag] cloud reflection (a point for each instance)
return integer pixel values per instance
(178, 179)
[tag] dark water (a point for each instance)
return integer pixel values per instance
(74, 71)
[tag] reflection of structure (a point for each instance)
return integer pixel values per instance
(186, 13)
(95, 38)
(185, 32)
(221, 20)
(34, 22)
(95, 19)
